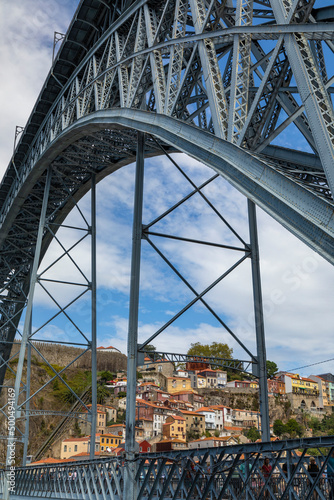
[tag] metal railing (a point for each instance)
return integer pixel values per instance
(233, 472)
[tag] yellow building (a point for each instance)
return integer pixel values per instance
(175, 427)
(177, 384)
(73, 446)
(302, 385)
(109, 441)
(324, 392)
(194, 421)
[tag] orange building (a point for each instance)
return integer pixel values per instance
(175, 427)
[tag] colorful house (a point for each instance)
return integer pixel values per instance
(109, 441)
(171, 444)
(174, 427)
(177, 384)
(194, 422)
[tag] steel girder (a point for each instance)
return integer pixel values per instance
(203, 71)
(220, 472)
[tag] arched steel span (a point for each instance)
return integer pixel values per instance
(105, 141)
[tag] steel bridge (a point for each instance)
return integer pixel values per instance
(219, 80)
(232, 472)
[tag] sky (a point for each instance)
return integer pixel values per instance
(297, 283)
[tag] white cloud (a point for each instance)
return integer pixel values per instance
(27, 30)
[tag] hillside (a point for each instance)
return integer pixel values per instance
(55, 396)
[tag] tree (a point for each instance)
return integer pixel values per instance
(192, 435)
(253, 434)
(272, 368)
(150, 348)
(102, 394)
(278, 428)
(105, 376)
(214, 350)
(293, 428)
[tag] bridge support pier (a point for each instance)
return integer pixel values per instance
(130, 443)
(259, 323)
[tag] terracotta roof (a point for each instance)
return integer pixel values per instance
(51, 460)
(109, 435)
(175, 440)
(117, 450)
(233, 428)
(85, 454)
(212, 438)
(189, 391)
(219, 407)
(109, 347)
(187, 412)
(179, 378)
(205, 408)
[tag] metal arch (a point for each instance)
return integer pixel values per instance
(306, 215)
(142, 60)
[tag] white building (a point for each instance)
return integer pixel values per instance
(210, 417)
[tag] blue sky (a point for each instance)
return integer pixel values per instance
(297, 283)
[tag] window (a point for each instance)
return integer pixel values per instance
(65, 448)
(75, 447)
(102, 440)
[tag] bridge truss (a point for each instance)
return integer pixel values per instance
(228, 473)
(221, 81)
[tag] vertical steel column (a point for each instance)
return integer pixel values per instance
(130, 468)
(93, 339)
(259, 323)
(27, 320)
(27, 405)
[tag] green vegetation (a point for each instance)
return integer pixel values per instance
(192, 435)
(278, 428)
(291, 429)
(215, 350)
(150, 348)
(272, 368)
(252, 434)
(79, 383)
(321, 427)
(120, 417)
(105, 376)
(102, 394)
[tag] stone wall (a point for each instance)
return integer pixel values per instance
(61, 355)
